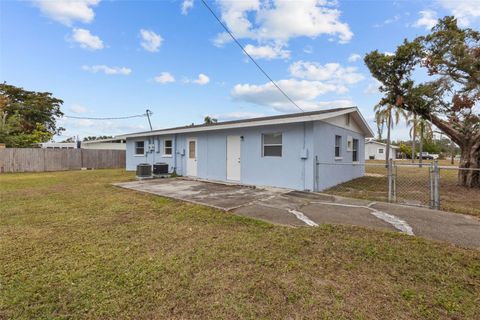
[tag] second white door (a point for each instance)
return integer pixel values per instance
(192, 157)
(233, 158)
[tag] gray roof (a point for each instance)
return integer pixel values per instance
(251, 121)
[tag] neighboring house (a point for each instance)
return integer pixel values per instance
(58, 145)
(105, 144)
(375, 150)
(279, 151)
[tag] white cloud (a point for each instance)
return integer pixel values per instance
(466, 11)
(354, 57)
(187, 5)
(278, 21)
(67, 12)
(202, 79)
(164, 77)
(150, 40)
(107, 70)
(86, 39)
(388, 53)
(308, 49)
(85, 127)
(303, 92)
(427, 20)
(332, 73)
(387, 21)
(267, 52)
(78, 109)
(237, 115)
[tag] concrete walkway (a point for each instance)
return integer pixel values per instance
(295, 208)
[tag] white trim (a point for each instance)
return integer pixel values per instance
(338, 158)
(165, 155)
(256, 123)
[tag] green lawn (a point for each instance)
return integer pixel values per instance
(73, 246)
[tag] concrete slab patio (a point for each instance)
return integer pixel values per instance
(293, 208)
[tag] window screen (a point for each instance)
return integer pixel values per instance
(139, 147)
(167, 147)
(355, 150)
(338, 144)
(272, 144)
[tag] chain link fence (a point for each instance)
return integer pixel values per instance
(420, 184)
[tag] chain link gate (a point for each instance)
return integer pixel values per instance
(425, 177)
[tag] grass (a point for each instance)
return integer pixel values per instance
(413, 187)
(73, 246)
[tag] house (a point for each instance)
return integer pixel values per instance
(375, 150)
(301, 151)
(57, 145)
(105, 144)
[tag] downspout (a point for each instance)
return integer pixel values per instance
(175, 154)
(304, 159)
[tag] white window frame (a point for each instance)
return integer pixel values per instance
(165, 154)
(339, 156)
(355, 150)
(135, 148)
(272, 144)
(381, 150)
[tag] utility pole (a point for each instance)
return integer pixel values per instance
(149, 113)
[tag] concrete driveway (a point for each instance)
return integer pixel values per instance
(286, 207)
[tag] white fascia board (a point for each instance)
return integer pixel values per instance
(247, 124)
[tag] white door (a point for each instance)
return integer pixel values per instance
(233, 158)
(192, 157)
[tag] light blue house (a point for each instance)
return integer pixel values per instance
(302, 151)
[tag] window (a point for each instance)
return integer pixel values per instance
(380, 150)
(167, 147)
(338, 144)
(355, 150)
(191, 149)
(272, 144)
(139, 147)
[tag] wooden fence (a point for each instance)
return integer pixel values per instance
(38, 160)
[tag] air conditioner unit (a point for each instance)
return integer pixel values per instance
(144, 170)
(160, 168)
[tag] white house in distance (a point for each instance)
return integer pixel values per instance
(116, 143)
(302, 151)
(375, 150)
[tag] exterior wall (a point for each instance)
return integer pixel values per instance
(291, 170)
(332, 170)
(288, 171)
(150, 157)
(371, 150)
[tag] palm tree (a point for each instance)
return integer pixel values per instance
(413, 133)
(389, 113)
(422, 129)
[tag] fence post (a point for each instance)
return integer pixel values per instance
(389, 173)
(436, 185)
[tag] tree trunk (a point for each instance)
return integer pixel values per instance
(470, 159)
(389, 125)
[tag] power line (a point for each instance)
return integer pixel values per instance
(253, 60)
(108, 118)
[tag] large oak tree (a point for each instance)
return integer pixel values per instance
(27, 117)
(451, 57)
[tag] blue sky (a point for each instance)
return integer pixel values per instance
(118, 58)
